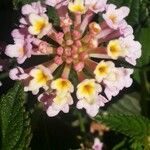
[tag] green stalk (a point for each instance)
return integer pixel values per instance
(4, 75)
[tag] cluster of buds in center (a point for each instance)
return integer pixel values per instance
(71, 50)
(85, 48)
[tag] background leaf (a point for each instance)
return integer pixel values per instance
(16, 3)
(144, 61)
(128, 104)
(135, 126)
(144, 38)
(15, 122)
(133, 18)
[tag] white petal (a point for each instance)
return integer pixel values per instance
(52, 112)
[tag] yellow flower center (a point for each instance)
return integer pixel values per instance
(41, 77)
(77, 6)
(64, 84)
(103, 70)
(87, 90)
(114, 49)
(39, 25)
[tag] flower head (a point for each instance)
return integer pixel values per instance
(102, 70)
(98, 145)
(59, 103)
(33, 8)
(114, 16)
(88, 93)
(81, 54)
(61, 98)
(77, 6)
(22, 47)
(38, 24)
(96, 5)
(40, 77)
(52, 2)
(62, 86)
(132, 48)
(18, 74)
(115, 50)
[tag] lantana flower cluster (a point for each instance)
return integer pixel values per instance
(98, 145)
(80, 44)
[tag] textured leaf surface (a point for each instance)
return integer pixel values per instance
(135, 126)
(15, 122)
(128, 104)
(133, 18)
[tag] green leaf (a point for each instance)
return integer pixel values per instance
(144, 38)
(15, 122)
(116, 2)
(16, 3)
(133, 18)
(128, 104)
(73, 77)
(135, 126)
(136, 76)
(52, 14)
(57, 73)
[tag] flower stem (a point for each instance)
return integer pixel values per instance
(81, 121)
(4, 75)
